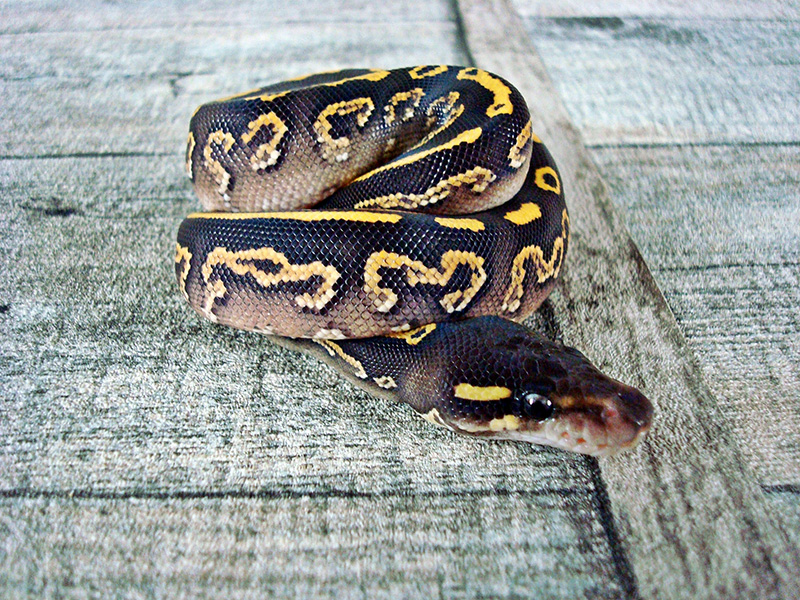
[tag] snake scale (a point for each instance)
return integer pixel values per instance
(438, 224)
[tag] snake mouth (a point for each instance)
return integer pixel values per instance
(581, 437)
(602, 425)
(585, 433)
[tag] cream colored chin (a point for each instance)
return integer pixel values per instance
(586, 438)
(582, 436)
(538, 437)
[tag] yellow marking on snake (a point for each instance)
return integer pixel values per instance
(308, 216)
(335, 350)
(433, 416)
(190, 144)
(182, 254)
(543, 269)
(424, 71)
(516, 154)
(477, 393)
(541, 172)
(411, 99)
(221, 176)
(506, 423)
(375, 75)
(478, 178)
(385, 381)
(460, 223)
(242, 263)
(465, 137)
(266, 97)
(449, 112)
(266, 154)
(415, 336)
(337, 149)
(418, 273)
(502, 93)
(446, 102)
(526, 213)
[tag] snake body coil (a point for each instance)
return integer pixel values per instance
(414, 306)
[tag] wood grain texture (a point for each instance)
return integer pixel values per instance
(686, 497)
(146, 453)
(713, 9)
(718, 228)
(49, 16)
(132, 92)
(319, 545)
(715, 214)
(665, 81)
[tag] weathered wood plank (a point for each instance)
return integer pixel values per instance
(99, 16)
(713, 9)
(718, 228)
(130, 428)
(134, 90)
(645, 80)
(303, 546)
(716, 224)
(210, 456)
(685, 497)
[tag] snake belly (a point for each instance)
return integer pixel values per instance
(438, 220)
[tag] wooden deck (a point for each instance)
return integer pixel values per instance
(144, 453)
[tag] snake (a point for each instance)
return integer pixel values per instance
(400, 225)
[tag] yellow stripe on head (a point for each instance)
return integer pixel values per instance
(477, 393)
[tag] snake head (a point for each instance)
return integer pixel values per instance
(532, 389)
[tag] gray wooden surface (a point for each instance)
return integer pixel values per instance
(698, 143)
(147, 454)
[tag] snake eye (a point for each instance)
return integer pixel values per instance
(536, 406)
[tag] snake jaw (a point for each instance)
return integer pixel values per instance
(604, 434)
(602, 424)
(576, 432)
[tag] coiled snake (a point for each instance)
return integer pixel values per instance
(415, 306)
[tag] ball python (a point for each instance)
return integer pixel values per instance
(438, 224)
